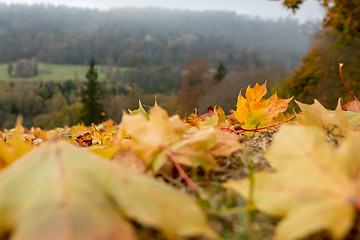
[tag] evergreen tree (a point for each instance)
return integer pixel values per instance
(92, 109)
(220, 72)
(10, 69)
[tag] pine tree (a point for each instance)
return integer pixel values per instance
(92, 109)
(10, 69)
(220, 72)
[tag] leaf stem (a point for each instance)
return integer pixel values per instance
(93, 125)
(251, 178)
(252, 182)
(263, 128)
(340, 69)
(181, 171)
(190, 154)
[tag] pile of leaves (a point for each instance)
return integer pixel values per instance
(253, 174)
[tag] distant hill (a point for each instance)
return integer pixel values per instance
(135, 37)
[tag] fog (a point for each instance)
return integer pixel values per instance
(265, 9)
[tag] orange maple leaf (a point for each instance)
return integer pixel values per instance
(84, 139)
(352, 106)
(254, 111)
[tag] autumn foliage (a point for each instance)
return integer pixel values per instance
(338, 40)
(95, 182)
(254, 111)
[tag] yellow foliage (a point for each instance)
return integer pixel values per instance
(314, 186)
(254, 111)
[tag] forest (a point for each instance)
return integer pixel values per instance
(189, 125)
(132, 37)
(153, 45)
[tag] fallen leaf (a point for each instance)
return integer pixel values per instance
(150, 136)
(354, 119)
(140, 110)
(84, 139)
(16, 146)
(232, 119)
(221, 114)
(345, 106)
(353, 106)
(209, 114)
(337, 121)
(211, 118)
(193, 150)
(129, 160)
(254, 111)
(226, 143)
(107, 152)
(315, 185)
(61, 192)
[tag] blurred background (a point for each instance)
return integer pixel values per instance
(189, 55)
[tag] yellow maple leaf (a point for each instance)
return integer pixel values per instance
(227, 143)
(153, 138)
(97, 199)
(107, 152)
(314, 186)
(254, 111)
(140, 110)
(193, 150)
(149, 136)
(338, 121)
(16, 146)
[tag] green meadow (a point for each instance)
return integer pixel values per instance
(55, 72)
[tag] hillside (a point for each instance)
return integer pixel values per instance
(148, 37)
(153, 45)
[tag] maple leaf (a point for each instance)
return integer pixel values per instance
(193, 120)
(84, 139)
(221, 114)
(152, 139)
(103, 135)
(107, 152)
(353, 106)
(130, 160)
(315, 185)
(140, 110)
(192, 150)
(254, 111)
(59, 191)
(211, 118)
(338, 121)
(150, 136)
(226, 144)
(16, 146)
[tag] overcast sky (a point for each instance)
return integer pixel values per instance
(262, 8)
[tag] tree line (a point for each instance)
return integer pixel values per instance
(147, 37)
(58, 103)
